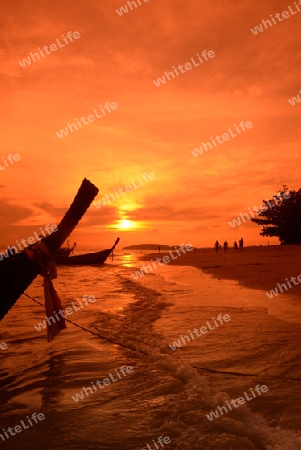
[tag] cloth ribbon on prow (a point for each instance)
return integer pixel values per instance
(39, 253)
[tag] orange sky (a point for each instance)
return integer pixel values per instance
(154, 128)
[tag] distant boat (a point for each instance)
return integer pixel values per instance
(87, 259)
(65, 251)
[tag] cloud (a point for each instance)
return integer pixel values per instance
(153, 129)
(12, 214)
(51, 209)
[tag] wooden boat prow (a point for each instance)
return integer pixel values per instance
(18, 271)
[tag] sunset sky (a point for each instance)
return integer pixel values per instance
(154, 129)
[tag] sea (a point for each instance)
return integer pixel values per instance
(157, 394)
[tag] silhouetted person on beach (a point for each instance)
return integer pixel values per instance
(241, 244)
(226, 246)
(159, 248)
(235, 245)
(216, 246)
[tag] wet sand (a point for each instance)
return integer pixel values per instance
(169, 393)
(253, 267)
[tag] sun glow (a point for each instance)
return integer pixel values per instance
(126, 224)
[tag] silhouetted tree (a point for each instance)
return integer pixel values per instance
(281, 216)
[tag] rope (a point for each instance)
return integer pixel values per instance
(239, 374)
(133, 349)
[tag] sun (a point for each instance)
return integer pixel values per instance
(126, 224)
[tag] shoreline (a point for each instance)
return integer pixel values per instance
(259, 268)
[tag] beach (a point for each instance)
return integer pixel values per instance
(196, 345)
(253, 267)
